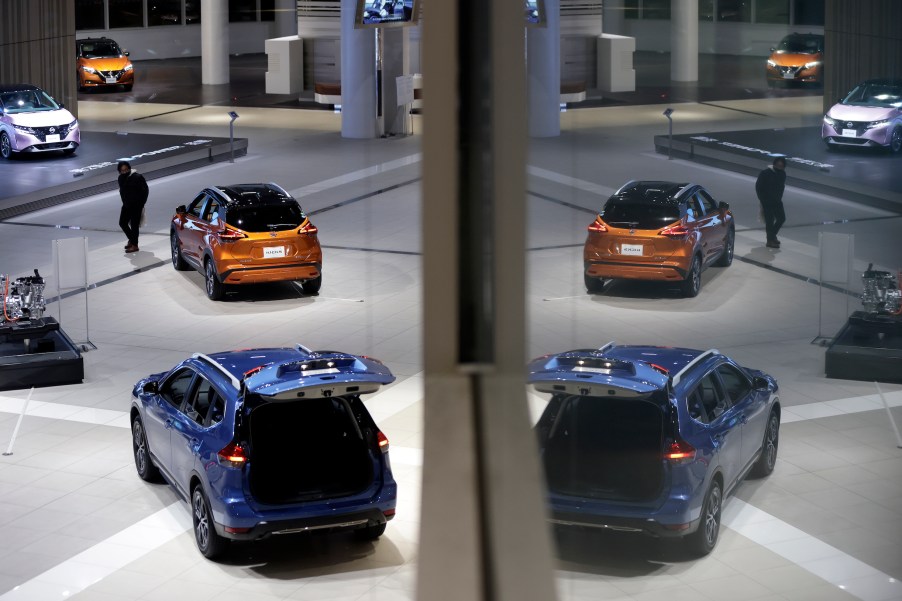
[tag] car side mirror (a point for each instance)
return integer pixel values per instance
(760, 383)
(62, 106)
(126, 53)
(150, 388)
(723, 207)
(181, 210)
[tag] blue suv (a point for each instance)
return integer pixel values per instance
(651, 439)
(267, 441)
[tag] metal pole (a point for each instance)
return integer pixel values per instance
(667, 113)
(232, 115)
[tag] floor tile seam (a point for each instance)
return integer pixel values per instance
(166, 523)
(751, 529)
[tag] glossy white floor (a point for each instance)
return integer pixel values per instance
(76, 522)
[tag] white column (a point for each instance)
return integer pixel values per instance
(543, 58)
(214, 41)
(484, 533)
(684, 40)
(286, 18)
(358, 76)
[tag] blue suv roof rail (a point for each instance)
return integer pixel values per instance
(606, 347)
(304, 349)
(218, 366)
(679, 375)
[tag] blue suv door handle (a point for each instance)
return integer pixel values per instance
(168, 423)
(744, 419)
(194, 443)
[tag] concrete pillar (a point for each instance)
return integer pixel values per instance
(484, 534)
(214, 41)
(286, 18)
(395, 62)
(684, 40)
(543, 58)
(358, 76)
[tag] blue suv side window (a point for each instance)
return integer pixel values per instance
(707, 401)
(199, 404)
(737, 385)
(176, 388)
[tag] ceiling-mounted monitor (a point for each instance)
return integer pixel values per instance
(387, 13)
(535, 13)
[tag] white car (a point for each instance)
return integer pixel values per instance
(32, 121)
(871, 115)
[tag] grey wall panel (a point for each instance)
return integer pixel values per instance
(863, 40)
(37, 46)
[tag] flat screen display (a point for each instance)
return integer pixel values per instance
(386, 13)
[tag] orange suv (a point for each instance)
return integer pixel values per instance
(246, 234)
(100, 63)
(658, 231)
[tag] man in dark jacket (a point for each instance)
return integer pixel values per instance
(769, 187)
(133, 191)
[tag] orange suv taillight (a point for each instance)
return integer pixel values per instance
(308, 228)
(230, 235)
(598, 225)
(675, 231)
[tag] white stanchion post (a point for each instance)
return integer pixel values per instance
(890, 414)
(12, 441)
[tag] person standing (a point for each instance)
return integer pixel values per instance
(769, 188)
(133, 191)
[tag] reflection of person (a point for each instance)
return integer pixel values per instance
(769, 187)
(133, 191)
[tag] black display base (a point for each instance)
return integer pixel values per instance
(868, 347)
(38, 354)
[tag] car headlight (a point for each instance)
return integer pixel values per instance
(829, 120)
(128, 67)
(812, 64)
(24, 128)
(88, 70)
(771, 63)
(880, 123)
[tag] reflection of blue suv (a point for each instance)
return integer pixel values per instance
(266, 442)
(650, 439)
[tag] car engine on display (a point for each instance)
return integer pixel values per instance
(881, 292)
(34, 350)
(23, 298)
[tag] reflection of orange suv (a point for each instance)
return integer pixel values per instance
(246, 234)
(100, 63)
(798, 58)
(658, 231)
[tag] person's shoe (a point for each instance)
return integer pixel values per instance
(777, 242)
(131, 248)
(126, 246)
(772, 244)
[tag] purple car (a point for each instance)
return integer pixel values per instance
(871, 115)
(32, 121)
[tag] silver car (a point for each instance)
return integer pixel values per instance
(32, 121)
(871, 115)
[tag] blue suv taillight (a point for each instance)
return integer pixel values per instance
(232, 455)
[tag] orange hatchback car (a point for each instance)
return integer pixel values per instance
(101, 63)
(653, 230)
(799, 58)
(246, 234)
